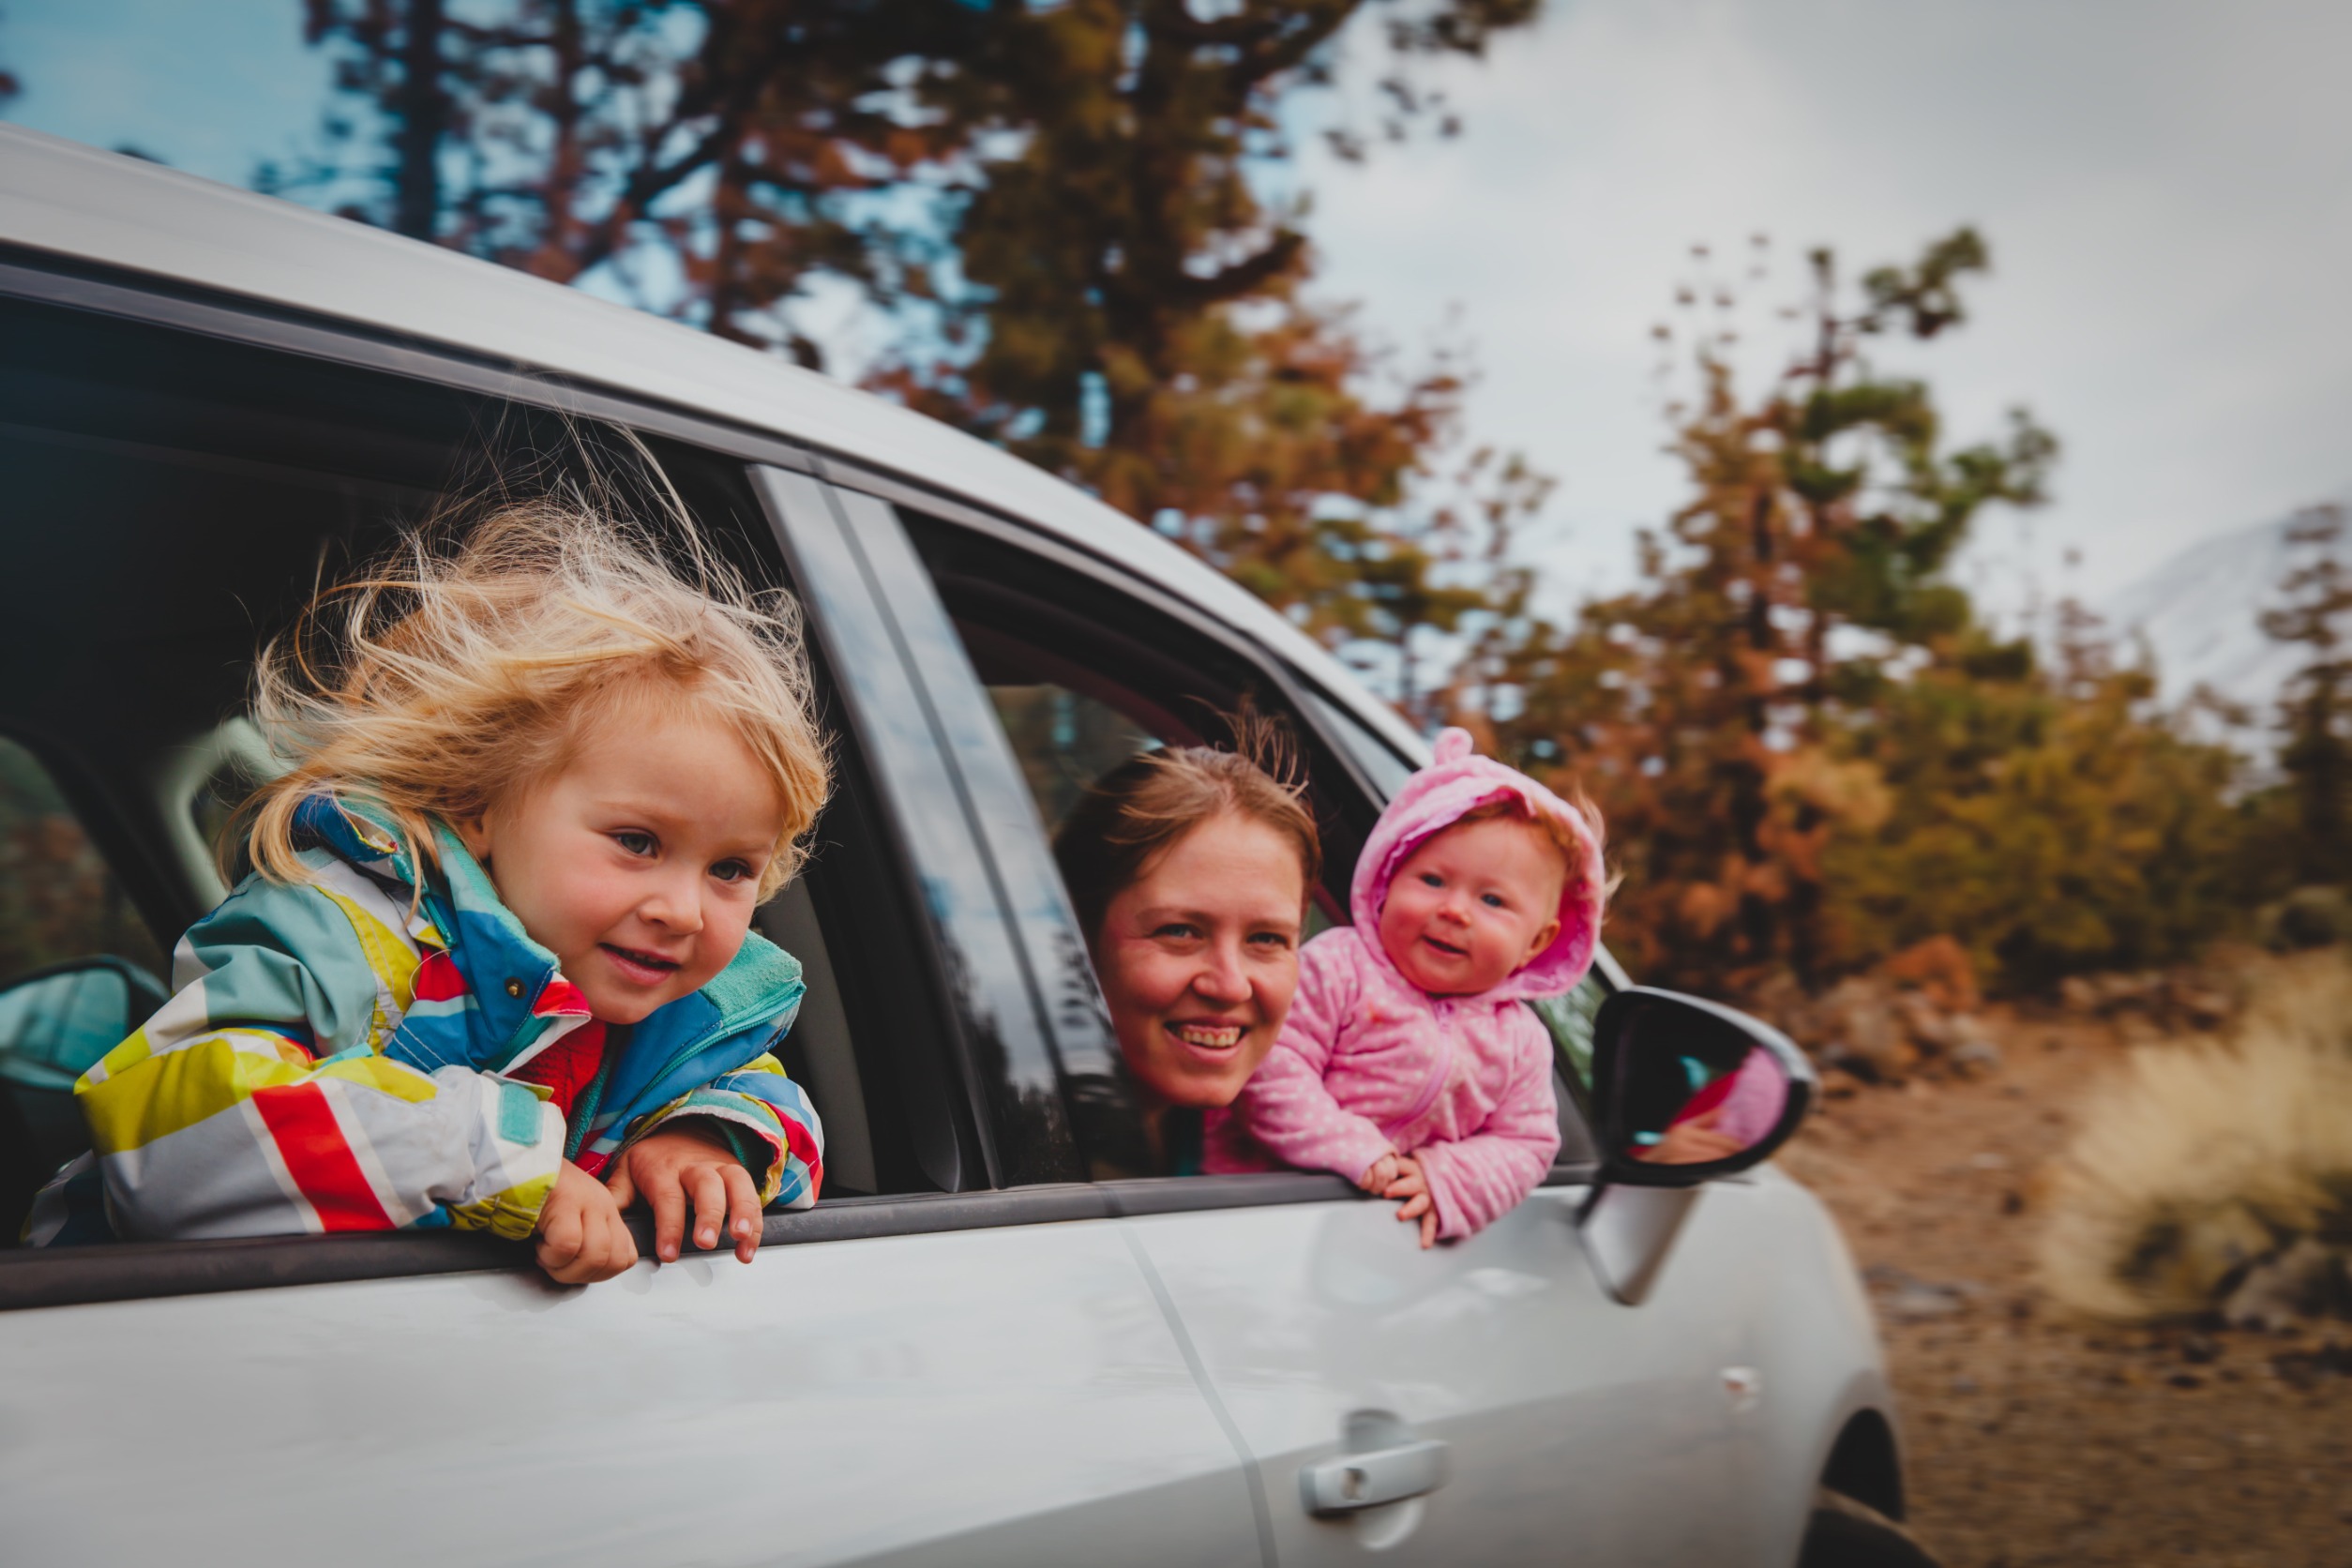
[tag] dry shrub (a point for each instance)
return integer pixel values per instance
(2205, 1159)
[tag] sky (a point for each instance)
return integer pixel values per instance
(2162, 186)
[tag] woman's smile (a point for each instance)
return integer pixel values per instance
(1218, 1040)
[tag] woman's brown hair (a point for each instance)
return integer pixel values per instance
(1136, 811)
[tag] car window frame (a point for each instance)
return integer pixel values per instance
(36, 1278)
(1329, 718)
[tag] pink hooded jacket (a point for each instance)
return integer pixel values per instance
(1367, 1061)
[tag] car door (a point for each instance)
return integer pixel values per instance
(1573, 1424)
(966, 1362)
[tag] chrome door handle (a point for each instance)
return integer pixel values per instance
(1355, 1481)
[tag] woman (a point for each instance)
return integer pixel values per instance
(1189, 868)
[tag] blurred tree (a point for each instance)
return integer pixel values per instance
(2315, 709)
(711, 158)
(2052, 820)
(1056, 200)
(1719, 711)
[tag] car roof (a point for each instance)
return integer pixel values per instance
(70, 200)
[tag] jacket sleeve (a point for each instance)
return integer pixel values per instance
(1286, 1104)
(255, 1102)
(766, 1120)
(1476, 1180)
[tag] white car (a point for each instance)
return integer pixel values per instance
(991, 1342)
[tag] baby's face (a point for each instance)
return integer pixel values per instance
(1472, 904)
(639, 864)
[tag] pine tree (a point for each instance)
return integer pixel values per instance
(2316, 708)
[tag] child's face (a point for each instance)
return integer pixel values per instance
(639, 864)
(1199, 958)
(1472, 904)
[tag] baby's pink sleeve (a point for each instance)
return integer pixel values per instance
(1286, 1104)
(1476, 1180)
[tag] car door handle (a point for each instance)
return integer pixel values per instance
(1355, 1481)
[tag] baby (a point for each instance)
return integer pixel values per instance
(1408, 1063)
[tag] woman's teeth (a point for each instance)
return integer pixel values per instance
(1224, 1038)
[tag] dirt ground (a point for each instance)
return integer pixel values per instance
(2036, 1439)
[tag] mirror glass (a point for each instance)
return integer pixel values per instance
(54, 1026)
(1689, 1108)
(1689, 1090)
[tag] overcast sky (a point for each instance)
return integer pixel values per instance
(2166, 187)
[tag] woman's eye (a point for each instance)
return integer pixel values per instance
(1175, 930)
(634, 841)
(1272, 940)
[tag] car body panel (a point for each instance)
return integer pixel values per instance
(1574, 1426)
(910, 1399)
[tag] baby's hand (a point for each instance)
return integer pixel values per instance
(669, 1167)
(582, 1236)
(1413, 1187)
(1382, 1171)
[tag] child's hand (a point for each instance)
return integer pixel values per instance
(1414, 1187)
(581, 1237)
(1376, 1177)
(667, 1168)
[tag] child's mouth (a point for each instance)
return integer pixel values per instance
(1447, 948)
(644, 968)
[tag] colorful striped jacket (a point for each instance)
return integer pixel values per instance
(334, 1059)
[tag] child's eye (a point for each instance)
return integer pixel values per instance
(1430, 879)
(634, 841)
(731, 870)
(1492, 900)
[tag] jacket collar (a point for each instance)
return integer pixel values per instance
(515, 1000)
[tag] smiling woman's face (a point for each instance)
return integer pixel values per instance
(1199, 958)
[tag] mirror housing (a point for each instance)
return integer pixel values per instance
(1686, 1089)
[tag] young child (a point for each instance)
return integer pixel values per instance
(493, 969)
(1408, 1063)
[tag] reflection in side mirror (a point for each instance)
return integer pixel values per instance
(1687, 1091)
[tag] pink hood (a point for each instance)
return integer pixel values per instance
(1442, 794)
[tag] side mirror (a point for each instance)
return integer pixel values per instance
(56, 1022)
(1686, 1091)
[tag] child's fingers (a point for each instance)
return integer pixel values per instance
(1428, 1230)
(620, 1254)
(668, 1200)
(710, 1203)
(621, 1184)
(742, 1210)
(1414, 1207)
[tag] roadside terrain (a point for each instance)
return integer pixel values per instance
(2039, 1439)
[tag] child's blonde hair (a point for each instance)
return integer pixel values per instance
(440, 682)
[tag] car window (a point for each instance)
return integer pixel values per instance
(1570, 1020)
(59, 899)
(1381, 765)
(78, 969)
